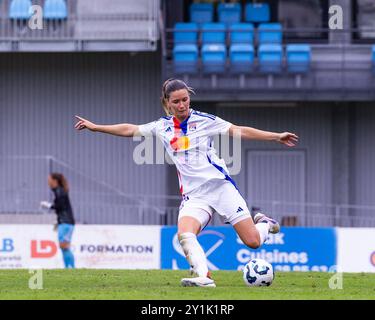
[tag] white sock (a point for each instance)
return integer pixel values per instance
(194, 253)
(263, 229)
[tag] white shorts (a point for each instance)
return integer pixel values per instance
(219, 196)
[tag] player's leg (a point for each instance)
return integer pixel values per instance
(233, 208)
(252, 235)
(65, 232)
(67, 255)
(188, 229)
(191, 221)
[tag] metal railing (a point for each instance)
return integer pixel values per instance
(23, 186)
(147, 212)
(86, 22)
(108, 208)
(320, 214)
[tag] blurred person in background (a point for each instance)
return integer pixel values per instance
(65, 219)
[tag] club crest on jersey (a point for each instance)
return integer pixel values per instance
(192, 126)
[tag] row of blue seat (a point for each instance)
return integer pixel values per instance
(53, 9)
(229, 12)
(241, 57)
(212, 32)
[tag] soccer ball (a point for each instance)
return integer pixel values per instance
(257, 273)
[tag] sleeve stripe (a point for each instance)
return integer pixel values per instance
(210, 116)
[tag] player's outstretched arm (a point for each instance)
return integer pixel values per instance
(121, 129)
(287, 138)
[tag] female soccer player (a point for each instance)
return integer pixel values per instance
(205, 184)
(65, 218)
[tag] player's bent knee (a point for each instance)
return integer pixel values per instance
(253, 243)
(188, 224)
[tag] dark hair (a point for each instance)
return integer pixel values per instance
(61, 181)
(170, 86)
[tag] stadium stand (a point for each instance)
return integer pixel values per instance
(232, 35)
(55, 9)
(84, 25)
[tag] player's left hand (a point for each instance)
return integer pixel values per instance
(287, 138)
(45, 205)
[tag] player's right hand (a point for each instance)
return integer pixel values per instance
(84, 124)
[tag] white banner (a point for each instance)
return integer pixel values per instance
(356, 249)
(94, 246)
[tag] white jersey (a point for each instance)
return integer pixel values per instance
(190, 146)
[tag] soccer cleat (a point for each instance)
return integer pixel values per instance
(262, 218)
(198, 282)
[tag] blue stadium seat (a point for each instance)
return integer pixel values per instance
(270, 58)
(242, 33)
(20, 9)
(201, 12)
(241, 57)
(298, 57)
(55, 9)
(214, 58)
(185, 32)
(213, 32)
(185, 58)
(229, 13)
(373, 58)
(257, 12)
(270, 33)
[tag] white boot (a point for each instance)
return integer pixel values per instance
(198, 282)
(262, 218)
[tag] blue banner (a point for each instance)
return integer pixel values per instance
(293, 249)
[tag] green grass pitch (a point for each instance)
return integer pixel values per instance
(165, 284)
